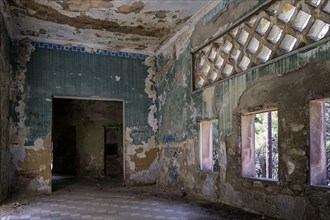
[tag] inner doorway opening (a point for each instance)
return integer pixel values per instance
(87, 139)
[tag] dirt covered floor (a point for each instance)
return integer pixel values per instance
(92, 198)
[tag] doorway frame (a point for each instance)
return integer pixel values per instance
(95, 98)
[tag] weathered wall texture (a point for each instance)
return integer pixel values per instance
(4, 109)
(117, 24)
(62, 73)
(287, 83)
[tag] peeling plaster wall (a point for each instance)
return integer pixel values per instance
(62, 73)
(4, 110)
(287, 83)
(120, 25)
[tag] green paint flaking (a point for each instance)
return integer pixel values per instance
(60, 73)
(227, 92)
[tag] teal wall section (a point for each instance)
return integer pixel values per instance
(61, 73)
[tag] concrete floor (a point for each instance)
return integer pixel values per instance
(108, 199)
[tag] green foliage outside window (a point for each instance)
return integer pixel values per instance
(262, 126)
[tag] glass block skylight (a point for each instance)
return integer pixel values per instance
(278, 29)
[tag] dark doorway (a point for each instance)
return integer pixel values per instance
(113, 155)
(64, 150)
(87, 137)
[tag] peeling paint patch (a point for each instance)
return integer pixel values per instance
(150, 90)
(208, 98)
(152, 120)
(142, 160)
(297, 127)
(151, 79)
(40, 184)
(136, 7)
(209, 186)
(290, 166)
(140, 157)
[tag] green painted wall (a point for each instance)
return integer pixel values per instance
(60, 73)
(180, 110)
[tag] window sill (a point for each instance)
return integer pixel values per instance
(324, 187)
(261, 179)
(204, 172)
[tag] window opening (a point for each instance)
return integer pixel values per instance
(209, 142)
(260, 145)
(320, 142)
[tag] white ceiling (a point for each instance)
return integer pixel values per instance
(121, 25)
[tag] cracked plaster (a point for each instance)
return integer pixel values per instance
(121, 25)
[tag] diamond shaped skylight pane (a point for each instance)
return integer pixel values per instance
(243, 37)
(327, 7)
(273, 9)
(201, 62)
(314, 3)
(244, 63)
(219, 62)
(264, 54)
(227, 70)
(213, 54)
(213, 76)
(235, 54)
(301, 20)
(287, 12)
(206, 69)
(200, 82)
(274, 34)
(253, 45)
(288, 42)
(318, 30)
(263, 26)
(234, 32)
(227, 47)
(206, 49)
(252, 21)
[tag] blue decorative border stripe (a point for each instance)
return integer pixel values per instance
(94, 51)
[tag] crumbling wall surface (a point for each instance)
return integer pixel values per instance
(292, 197)
(18, 133)
(180, 109)
(55, 72)
(287, 83)
(4, 110)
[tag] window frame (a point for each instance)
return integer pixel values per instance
(317, 144)
(201, 146)
(248, 160)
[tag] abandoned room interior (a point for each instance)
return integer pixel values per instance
(227, 101)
